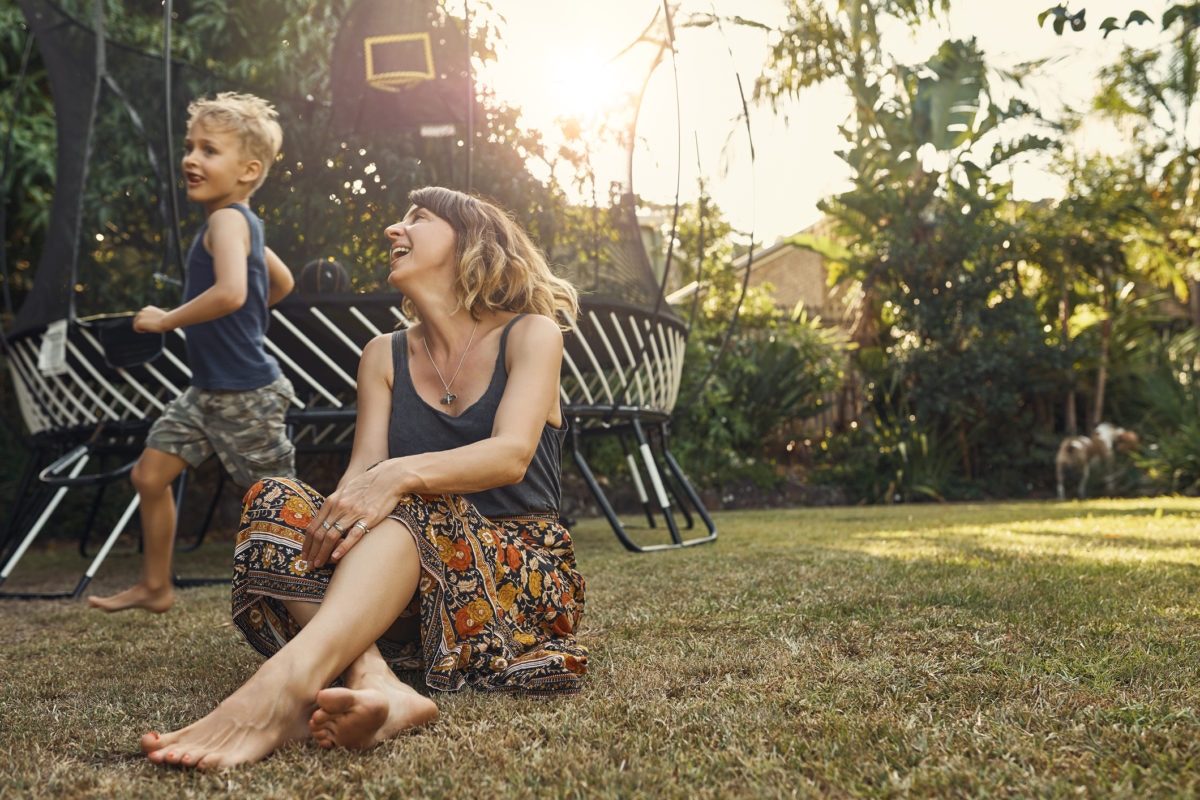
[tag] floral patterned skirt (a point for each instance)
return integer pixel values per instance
(499, 601)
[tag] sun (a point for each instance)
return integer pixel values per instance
(583, 85)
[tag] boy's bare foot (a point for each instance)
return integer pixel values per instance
(247, 726)
(363, 717)
(155, 600)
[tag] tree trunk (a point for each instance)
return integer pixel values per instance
(1101, 373)
(966, 452)
(1194, 301)
(1064, 318)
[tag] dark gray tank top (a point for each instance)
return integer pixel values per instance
(227, 353)
(417, 427)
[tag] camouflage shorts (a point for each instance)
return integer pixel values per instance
(246, 430)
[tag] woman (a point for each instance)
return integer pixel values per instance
(441, 547)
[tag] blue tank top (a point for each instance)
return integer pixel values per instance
(228, 353)
(417, 427)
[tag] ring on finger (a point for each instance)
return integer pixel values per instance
(363, 525)
(338, 527)
(326, 525)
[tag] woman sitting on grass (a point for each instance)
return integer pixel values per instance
(441, 548)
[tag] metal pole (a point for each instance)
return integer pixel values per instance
(470, 96)
(174, 244)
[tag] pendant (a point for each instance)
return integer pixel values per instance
(449, 398)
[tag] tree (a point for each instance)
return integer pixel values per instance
(1157, 92)
(743, 394)
(1077, 20)
(944, 330)
(1084, 246)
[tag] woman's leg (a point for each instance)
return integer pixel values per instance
(371, 586)
(372, 706)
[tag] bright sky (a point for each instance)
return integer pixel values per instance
(556, 59)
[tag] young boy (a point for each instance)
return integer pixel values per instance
(238, 396)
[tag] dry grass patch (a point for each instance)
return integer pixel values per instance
(1014, 649)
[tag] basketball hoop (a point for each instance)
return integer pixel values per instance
(398, 61)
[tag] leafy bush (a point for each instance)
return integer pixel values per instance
(892, 459)
(1170, 423)
(735, 401)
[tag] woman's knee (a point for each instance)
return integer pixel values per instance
(267, 486)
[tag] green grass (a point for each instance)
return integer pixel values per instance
(993, 650)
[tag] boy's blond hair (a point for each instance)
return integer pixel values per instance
(253, 120)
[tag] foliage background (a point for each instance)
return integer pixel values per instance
(982, 328)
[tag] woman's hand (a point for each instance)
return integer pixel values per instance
(347, 515)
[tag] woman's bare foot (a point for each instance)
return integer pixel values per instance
(375, 710)
(156, 600)
(247, 726)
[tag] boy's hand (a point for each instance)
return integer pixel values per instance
(149, 320)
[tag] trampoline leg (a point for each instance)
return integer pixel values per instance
(679, 495)
(208, 516)
(681, 500)
(103, 553)
(12, 525)
(660, 492)
(86, 531)
(43, 518)
(183, 583)
(598, 492)
(638, 484)
(692, 497)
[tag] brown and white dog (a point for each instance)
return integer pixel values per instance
(1076, 454)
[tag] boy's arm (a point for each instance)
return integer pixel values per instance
(280, 278)
(228, 241)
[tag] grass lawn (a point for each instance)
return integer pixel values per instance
(1009, 649)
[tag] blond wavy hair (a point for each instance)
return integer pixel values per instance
(253, 120)
(499, 266)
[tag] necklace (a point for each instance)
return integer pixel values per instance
(450, 396)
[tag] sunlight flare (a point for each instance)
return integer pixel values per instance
(583, 85)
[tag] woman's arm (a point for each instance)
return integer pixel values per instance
(374, 412)
(370, 447)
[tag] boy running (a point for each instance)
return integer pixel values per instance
(238, 396)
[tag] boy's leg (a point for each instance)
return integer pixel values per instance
(153, 477)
